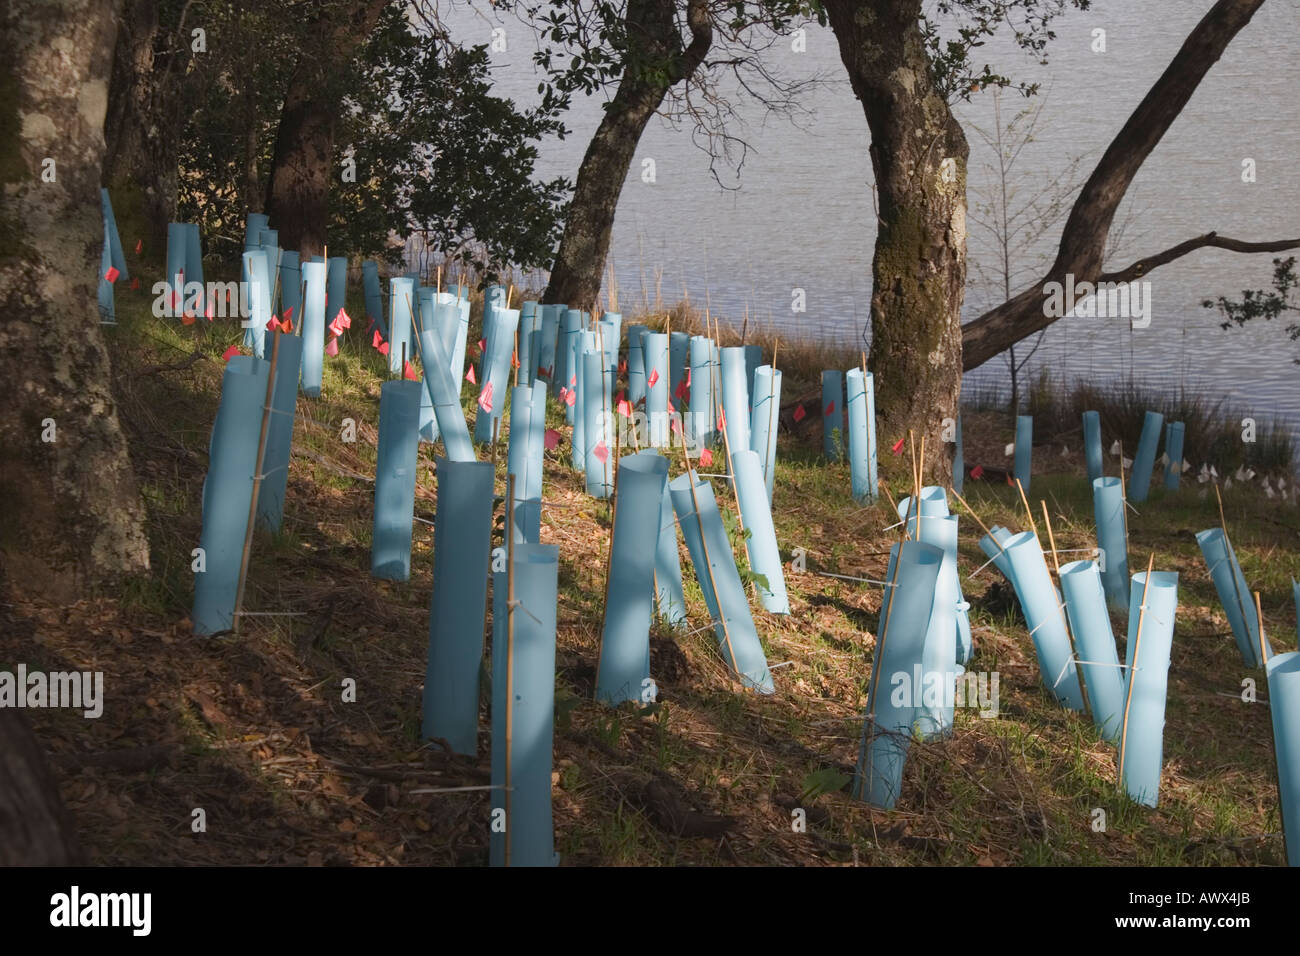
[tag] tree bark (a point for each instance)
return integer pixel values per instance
(35, 828)
(1083, 240)
(918, 154)
(72, 512)
(142, 129)
(298, 188)
(652, 28)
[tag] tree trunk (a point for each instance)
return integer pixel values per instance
(651, 24)
(35, 828)
(297, 198)
(142, 132)
(298, 188)
(72, 514)
(918, 153)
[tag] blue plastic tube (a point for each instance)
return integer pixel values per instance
(610, 336)
(699, 423)
(546, 351)
(1234, 593)
(565, 373)
(735, 398)
(313, 327)
(904, 619)
(1045, 619)
(194, 262)
(724, 594)
(228, 492)
(654, 352)
(117, 259)
(623, 670)
(397, 457)
(279, 433)
(1295, 594)
(669, 596)
(764, 421)
(760, 544)
(336, 291)
(446, 400)
(529, 323)
(374, 295)
(833, 437)
(1024, 449)
(524, 460)
(500, 347)
(462, 341)
(598, 424)
(290, 287)
(1092, 444)
(862, 434)
(1145, 459)
(753, 356)
(998, 555)
(1085, 605)
(679, 349)
(934, 505)
(259, 300)
(462, 533)
(177, 241)
(253, 227)
(1112, 539)
(1142, 727)
(400, 306)
(635, 365)
(1174, 449)
(269, 238)
(584, 342)
(1284, 708)
(526, 685)
(934, 706)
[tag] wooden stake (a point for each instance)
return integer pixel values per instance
(1050, 537)
(1263, 647)
(1028, 511)
(771, 415)
(1137, 641)
(257, 484)
(983, 527)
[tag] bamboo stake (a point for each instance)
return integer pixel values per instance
(1028, 511)
(257, 484)
(888, 494)
(1263, 648)
(771, 415)
(983, 527)
(510, 648)
(1137, 641)
(1050, 537)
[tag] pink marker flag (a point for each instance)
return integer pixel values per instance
(654, 377)
(706, 458)
(570, 397)
(112, 274)
(799, 413)
(977, 472)
(409, 373)
(601, 452)
(383, 348)
(485, 398)
(830, 409)
(333, 347)
(551, 438)
(625, 408)
(898, 447)
(469, 376)
(230, 353)
(374, 341)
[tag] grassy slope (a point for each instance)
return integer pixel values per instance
(252, 727)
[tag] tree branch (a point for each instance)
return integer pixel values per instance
(1209, 240)
(1083, 240)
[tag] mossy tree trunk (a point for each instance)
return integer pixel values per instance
(72, 513)
(918, 154)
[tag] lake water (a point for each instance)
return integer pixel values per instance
(802, 217)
